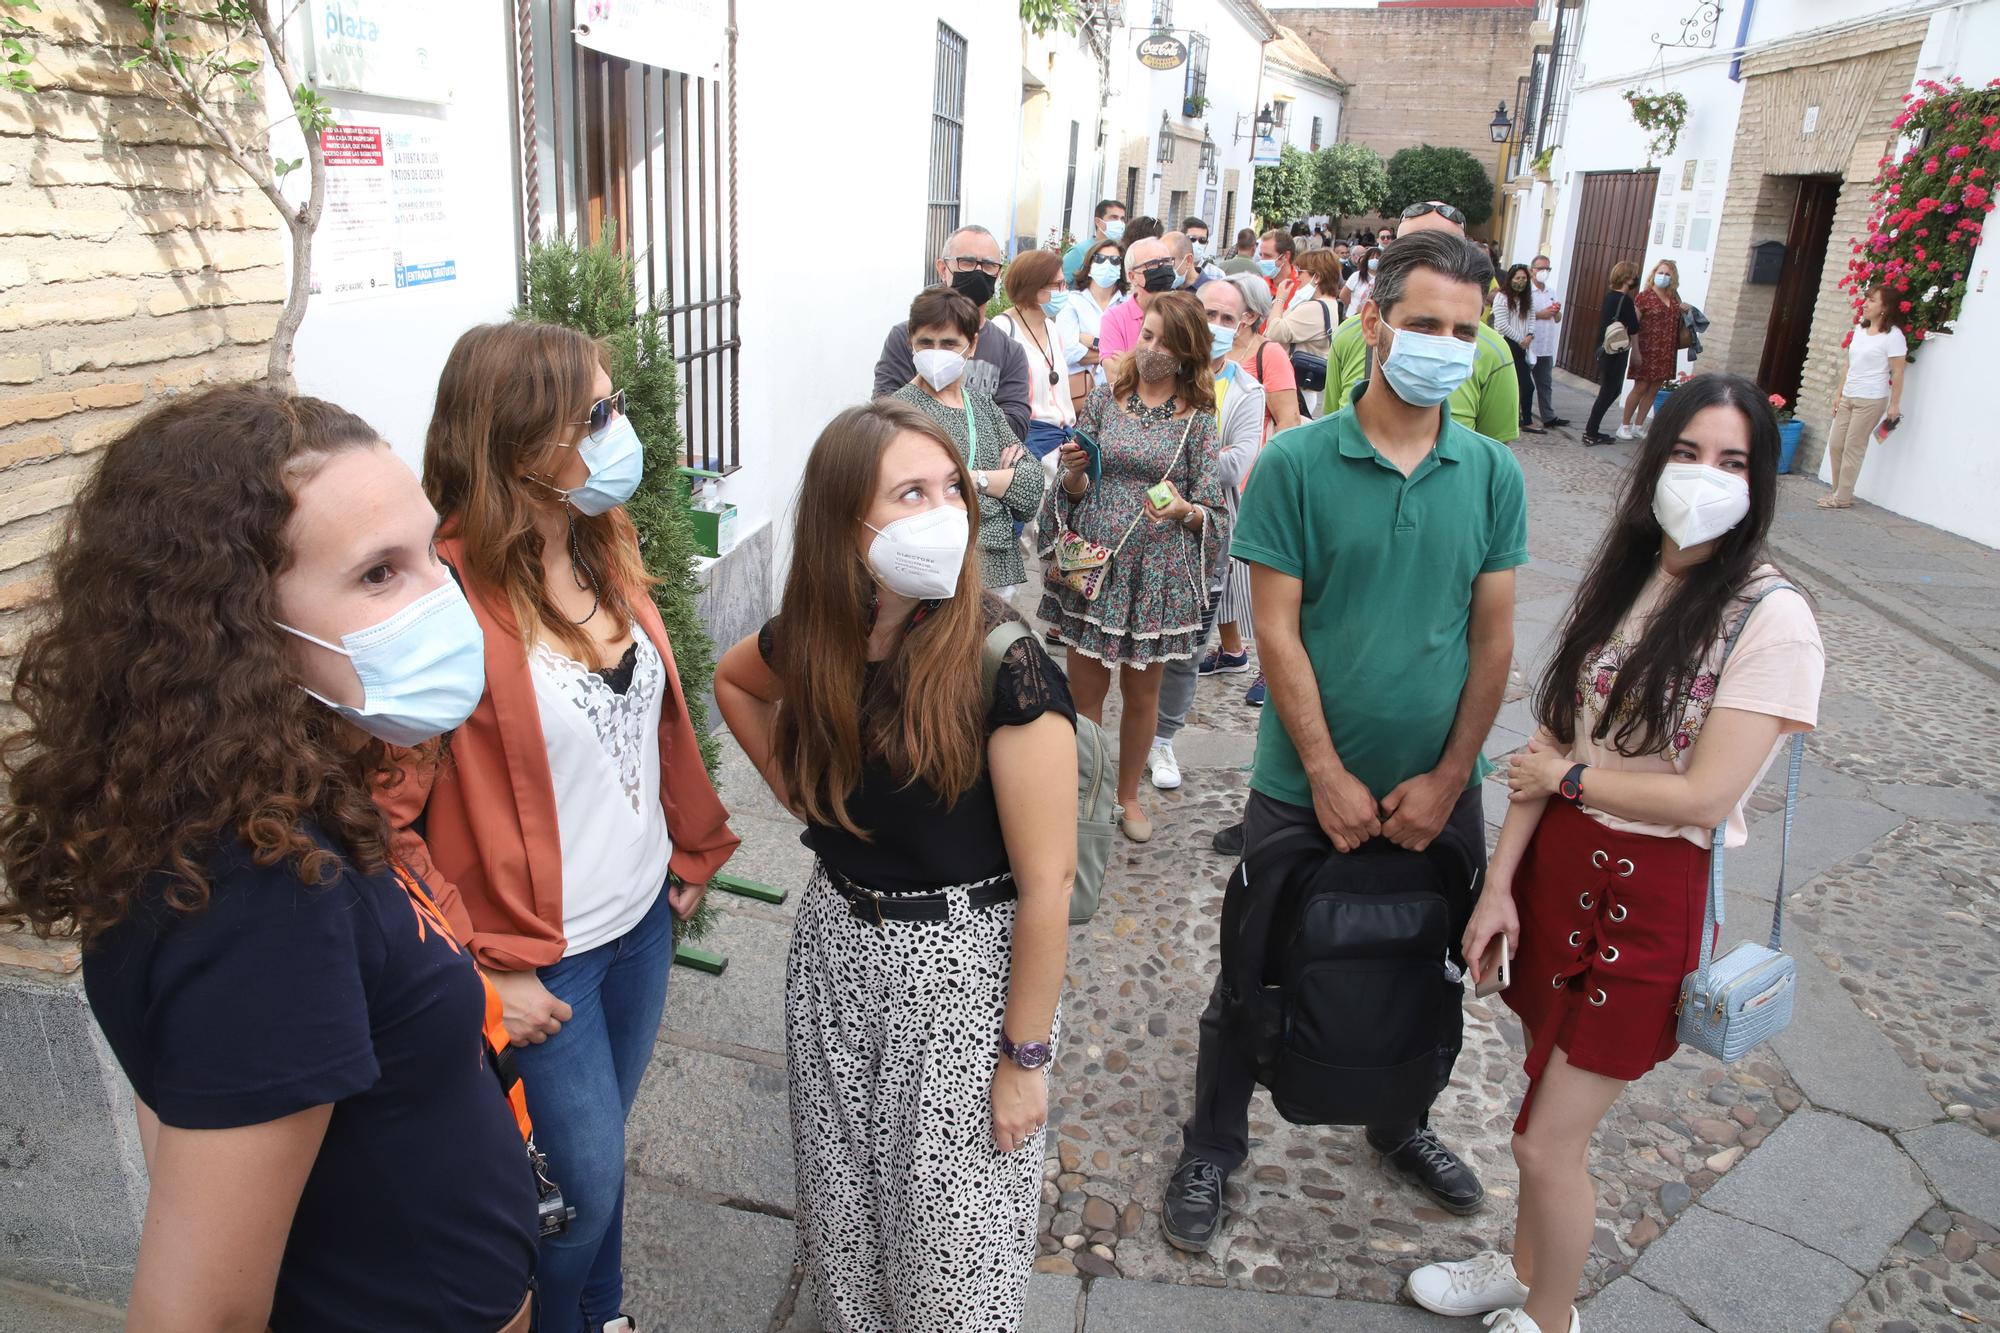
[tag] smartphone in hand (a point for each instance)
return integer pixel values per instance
(1093, 456)
(1495, 972)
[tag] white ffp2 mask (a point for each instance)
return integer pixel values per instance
(1696, 503)
(921, 556)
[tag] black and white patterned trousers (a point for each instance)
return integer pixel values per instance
(909, 1219)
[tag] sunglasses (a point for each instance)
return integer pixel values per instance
(603, 410)
(1445, 211)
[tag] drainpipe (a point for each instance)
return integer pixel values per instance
(1742, 36)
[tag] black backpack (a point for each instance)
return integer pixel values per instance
(1338, 976)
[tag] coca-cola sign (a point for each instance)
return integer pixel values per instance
(1163, 51)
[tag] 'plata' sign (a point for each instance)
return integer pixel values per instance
(1161, 51)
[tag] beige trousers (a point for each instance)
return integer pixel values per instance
(1854, 423)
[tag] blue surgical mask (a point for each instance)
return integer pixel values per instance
(1200, 249)
(1374, 264)
(1179, 281)
(1115, 231)
(422, 670)
(1424, 369)
(1220, 340)
(1268, 267)
(1105, 272)
(1663, 279)
(1052, 308)
(616, 461)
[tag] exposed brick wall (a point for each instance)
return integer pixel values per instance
(1422, 76)
(1857, 79)
(134, 263)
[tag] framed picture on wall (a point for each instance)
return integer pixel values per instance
(1688, 169)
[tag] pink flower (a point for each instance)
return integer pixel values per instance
(1704, 684)
(1975, 195)
(1957, 150)
(1682, 740)
(1602, 685)
(1931, 167)
(1903, 306)
(1933, 266)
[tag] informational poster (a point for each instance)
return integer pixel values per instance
(390, 48)
(1687, 173)
(1680, 227)
(1661, 214)
(684, 35)
(388, 222)
(1266, 146)
(1710, 167)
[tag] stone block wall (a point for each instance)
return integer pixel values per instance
(135, 263)
(1857, 80)
(1422, 76)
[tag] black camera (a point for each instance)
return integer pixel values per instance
(552, 1215)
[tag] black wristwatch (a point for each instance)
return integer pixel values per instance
(1571, 785)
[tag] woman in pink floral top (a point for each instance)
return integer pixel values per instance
(1649, 740)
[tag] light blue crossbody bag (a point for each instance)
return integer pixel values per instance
(1732, 1003)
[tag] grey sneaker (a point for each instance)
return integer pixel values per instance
(1191, 1210)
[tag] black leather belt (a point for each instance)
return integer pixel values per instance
(881, 908)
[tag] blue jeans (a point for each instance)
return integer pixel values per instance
(581, 1084)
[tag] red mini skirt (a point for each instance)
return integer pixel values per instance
(1610, 925)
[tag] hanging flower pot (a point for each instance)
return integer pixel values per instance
(1661, 115)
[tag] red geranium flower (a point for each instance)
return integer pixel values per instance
(1903, 306)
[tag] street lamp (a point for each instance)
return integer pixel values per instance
(1166, 153)
(1207, 153)
(1501, 127)
(1265, 121)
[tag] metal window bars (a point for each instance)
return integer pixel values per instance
(649, 154)
(947, 146)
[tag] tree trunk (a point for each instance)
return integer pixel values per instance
(285, 336)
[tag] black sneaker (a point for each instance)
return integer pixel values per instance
(1597, 437)
(1191, 1210)
(1229, 841)
(1434, 1168)
(1555, 421)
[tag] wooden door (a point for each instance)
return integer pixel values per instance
(1611, 219)
(1790, 330)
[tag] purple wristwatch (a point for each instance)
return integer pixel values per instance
(1028, 1055)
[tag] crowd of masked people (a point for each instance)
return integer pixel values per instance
(374, 799)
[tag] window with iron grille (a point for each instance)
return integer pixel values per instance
(1315, 138)
(1177, 205)
(1163, 14)
(947, 145)
(1194, 90)
(1131, 191)
(607, 146)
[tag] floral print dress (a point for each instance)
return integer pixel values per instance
(1155, 590)
(1656, 346)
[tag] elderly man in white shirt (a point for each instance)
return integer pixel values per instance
(1542, 354)
(1239, 419)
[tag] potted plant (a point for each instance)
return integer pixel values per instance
(1195, 105)
(1661, 115)
(1790, 428)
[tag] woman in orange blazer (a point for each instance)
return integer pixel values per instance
(575, 820)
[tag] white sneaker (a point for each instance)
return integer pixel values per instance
(1517, 1321)
(1484, 1282)
(1166, 768)
(1625, 432)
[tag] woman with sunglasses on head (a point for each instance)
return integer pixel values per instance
(1654, 729)
(576, 820)
(1099, 285)
(246, 613)
(933, 761)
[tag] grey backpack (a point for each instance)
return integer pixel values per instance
(1096, 785)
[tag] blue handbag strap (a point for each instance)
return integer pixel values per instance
(1711, 916)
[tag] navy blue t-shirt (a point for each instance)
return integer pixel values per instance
(278, 996)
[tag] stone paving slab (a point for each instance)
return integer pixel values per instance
(745, 1006)
(1740, 1278)
(1118, 1306)
(1841, 1060)
(1943, 1276)
(34, 1309)
(1826, 832)
(714, 1124)
(771, 853)
(1054, 1303)
(1963, 1166)
(1830, 1182)
(1630, 1306)
(717, 1269)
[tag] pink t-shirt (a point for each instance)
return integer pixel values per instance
(1273, 370)
(1776, 670)
(1119, 330)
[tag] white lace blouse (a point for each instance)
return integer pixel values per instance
(604, 755)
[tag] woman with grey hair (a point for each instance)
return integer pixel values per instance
(1271, 366)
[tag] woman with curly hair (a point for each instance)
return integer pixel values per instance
(246, 613)
(576, 821)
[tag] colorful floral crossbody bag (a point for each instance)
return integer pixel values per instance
(1083, 564)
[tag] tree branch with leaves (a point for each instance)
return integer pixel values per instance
(191, 50)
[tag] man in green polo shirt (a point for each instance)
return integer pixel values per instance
(1381, 542)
